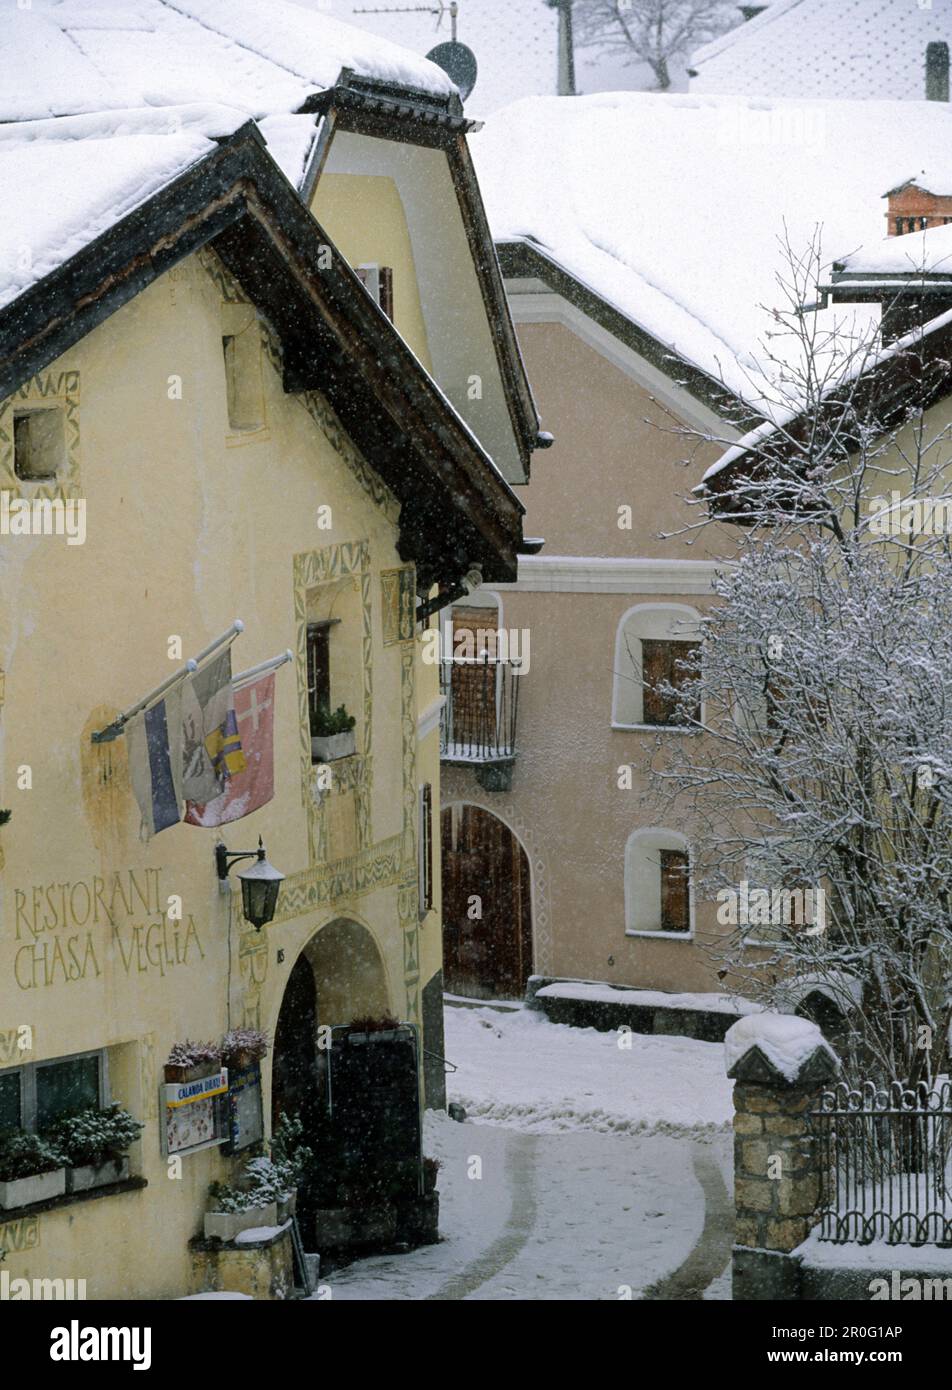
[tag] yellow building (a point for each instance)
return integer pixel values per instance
(227, 426)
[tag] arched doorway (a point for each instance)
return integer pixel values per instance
(338, 976)
(487, 906)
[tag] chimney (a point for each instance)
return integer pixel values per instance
(751, 11)
(937, 72)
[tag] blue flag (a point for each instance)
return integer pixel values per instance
(155, 763)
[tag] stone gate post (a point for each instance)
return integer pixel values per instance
(778, 1063)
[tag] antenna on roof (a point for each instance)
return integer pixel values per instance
(456, 60)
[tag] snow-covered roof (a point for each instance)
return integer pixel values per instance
(853, 49)
(66, 57)
(929, 251)
(69, 180)
(929, 180)
(673, 208)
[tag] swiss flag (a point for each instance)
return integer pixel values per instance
(245, 791)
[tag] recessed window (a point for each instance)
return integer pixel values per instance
(39, 443)
(656, 653)
(241, 350)
(657, 883)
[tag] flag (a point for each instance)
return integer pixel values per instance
(254, 787)
(155, 763)
(211, 747)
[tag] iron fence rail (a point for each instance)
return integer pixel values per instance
(884, 1161)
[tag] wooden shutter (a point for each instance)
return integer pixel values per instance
(661, 664)
(675, 913)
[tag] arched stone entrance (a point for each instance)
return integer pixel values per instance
(487, 905)
(338, 976)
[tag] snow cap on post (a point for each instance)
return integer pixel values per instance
(779, 1050)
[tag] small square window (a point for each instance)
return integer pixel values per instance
(39, 444)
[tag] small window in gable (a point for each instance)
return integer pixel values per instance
(39, 443)
(378, 281)
(241, 350)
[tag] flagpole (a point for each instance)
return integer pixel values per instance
(113, 730)
(271, 665)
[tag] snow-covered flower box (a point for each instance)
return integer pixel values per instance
(225, 1225)
(333, 746)
(39, 1187)
(90, 1175)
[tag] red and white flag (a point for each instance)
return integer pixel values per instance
(254, 787)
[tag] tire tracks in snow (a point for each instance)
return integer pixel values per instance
(710, 1255)
(521, 1172)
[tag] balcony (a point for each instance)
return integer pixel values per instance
(478, 722)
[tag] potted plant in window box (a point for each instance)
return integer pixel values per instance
(242, 1048)
(234, 1210)
(332, 734)
(190, 1061)
(31, 1170)
(386, 1028)
(95, 1144)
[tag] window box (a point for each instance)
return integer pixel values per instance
(39, 1187)
(333, 746)
(177, 1075)
(91, 1175)
(225, 1225)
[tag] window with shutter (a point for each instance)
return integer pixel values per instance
(675, 909)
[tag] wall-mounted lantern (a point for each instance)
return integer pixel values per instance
(259, 884)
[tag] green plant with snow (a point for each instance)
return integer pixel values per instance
(25, 1155)
(93, 1136)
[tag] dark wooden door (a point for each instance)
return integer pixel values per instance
(487, 906)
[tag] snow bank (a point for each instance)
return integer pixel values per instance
(786, 1041)
(520, 1070)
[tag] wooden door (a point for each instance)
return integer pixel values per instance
(487, 906)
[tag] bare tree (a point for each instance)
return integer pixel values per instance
(652, 31)
(825, 678)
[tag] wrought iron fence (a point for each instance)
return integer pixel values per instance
(478, 721)
(884, 1158)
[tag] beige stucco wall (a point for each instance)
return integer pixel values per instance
(614, 447)
(189, 526)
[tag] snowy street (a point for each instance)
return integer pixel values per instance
(578, 1174)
